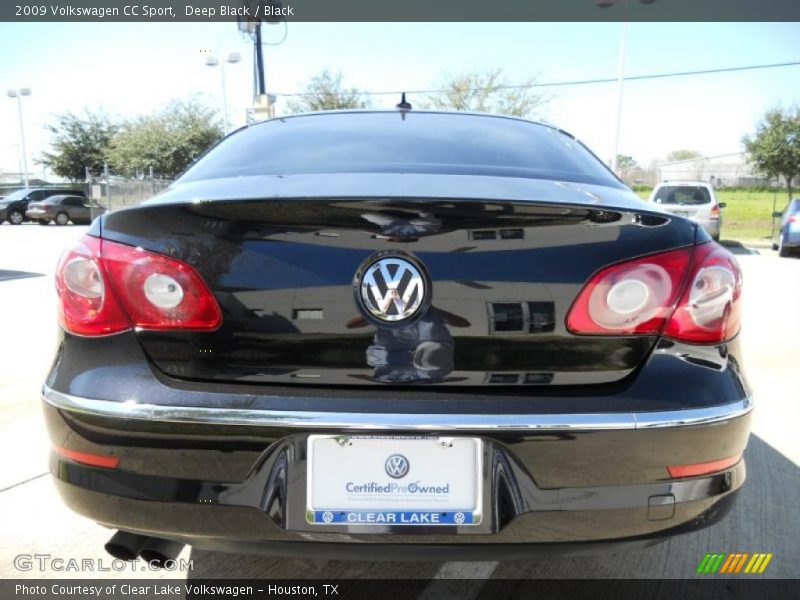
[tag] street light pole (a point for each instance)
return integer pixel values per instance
(620, 88)
(261, 79)
(213, 61)
(18, 95)
(620, 72)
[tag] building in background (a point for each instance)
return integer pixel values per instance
(727, 170)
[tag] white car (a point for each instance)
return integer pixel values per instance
(694, 200)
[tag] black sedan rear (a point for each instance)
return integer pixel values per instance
(397, 334)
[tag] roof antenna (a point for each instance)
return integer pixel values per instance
(404, 105)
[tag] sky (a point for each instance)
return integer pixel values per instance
(128, 69)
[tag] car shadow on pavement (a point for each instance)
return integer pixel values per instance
(736, 247)
(763, 519)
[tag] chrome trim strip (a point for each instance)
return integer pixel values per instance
(396, 421)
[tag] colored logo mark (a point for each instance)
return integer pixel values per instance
(736, 562)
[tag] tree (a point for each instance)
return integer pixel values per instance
(626, 164)
(679, 155)
(697, 161)
(775, 147)
(326, 91)
(487, 91)
(78, 142)
(168, 141)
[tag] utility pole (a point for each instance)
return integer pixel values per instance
(620, 71)
(108, 184)
(271, 9)
(262, 84)
(18, 94)
(620, 87)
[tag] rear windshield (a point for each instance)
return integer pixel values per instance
(682, 194)
(411, 142)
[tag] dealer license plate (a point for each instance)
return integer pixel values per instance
(389, 481)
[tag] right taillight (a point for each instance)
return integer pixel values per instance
(709, 310)
(105, 287)
(690, 295)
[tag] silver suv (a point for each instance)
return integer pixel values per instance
(694, 200)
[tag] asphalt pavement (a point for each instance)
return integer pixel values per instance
(35, 522)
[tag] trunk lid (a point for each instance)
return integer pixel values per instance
(502, 276)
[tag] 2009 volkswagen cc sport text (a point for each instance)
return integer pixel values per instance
(397, 334)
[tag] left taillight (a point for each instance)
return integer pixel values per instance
(87, 305)
(105, 287)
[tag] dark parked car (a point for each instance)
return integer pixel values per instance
(397, 334)
(63, 209)
(786, 238)
(14, 206)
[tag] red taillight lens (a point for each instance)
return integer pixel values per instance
(159, 292)
(106, 287)
(632, 297)
(715, 211)
(691, 295)
(710, 308)
(792, 219)
(87, 306)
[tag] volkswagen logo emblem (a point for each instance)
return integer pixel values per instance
(397, 466)
(392, 289)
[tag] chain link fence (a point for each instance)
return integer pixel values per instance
(120, 192)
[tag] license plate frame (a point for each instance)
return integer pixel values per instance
(370, 504)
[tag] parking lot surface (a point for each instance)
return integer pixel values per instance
(35, 521)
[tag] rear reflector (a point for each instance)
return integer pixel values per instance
(690, 295)
(87, 458)
(679, 471)
(105, 287)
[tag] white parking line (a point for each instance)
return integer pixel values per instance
(459, 589)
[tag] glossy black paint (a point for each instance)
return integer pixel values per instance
(241, 488)
(269, 262)
(116, 368)
(249, 482)
(506, 251)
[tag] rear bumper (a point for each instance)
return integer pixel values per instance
(712, 226)
(554, 532)
(35, 215)
(791, 239)
(223, 466)
(239, 484)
